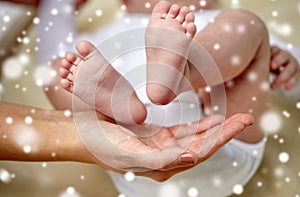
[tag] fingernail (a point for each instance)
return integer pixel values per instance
(186, 159)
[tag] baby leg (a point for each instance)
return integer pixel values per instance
(238, 42)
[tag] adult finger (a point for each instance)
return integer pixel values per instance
(218, 136)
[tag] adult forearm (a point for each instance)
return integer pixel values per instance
(30, 134)
(26, 2)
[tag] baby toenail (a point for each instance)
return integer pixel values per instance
(163, 16)
(171, 16)
(72, 68)
(184, 24)
(188, 34)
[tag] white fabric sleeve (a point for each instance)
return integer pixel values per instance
(56, 29)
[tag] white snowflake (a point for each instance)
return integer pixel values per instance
(238, 189)
(193, 192)
(99, 12)
(129, 176)
(270, 117)
(5, 176)
(283, 157)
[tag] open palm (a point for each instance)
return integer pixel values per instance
(154, 151)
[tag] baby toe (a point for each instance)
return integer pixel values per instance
(66, 84)
(182, 13)
(63, 73)
(174, 11)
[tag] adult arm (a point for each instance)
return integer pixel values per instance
(31, 134)
(26, 2)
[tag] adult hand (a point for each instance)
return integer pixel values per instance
(164, 153)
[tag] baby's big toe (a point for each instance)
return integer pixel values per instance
(161, 9)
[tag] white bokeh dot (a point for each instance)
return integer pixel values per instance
(54, 11)
(26, 40)
(207, 89)
(6, 18)
(286, 114)
(36, 20)
(129, 176)
(27, 149)
(28, 120)
(99, 12)
(23, 58)
(217, 182)
(5, 176)
(123, 7)
(9, 120)
(252, 76)
(44, 165)
(278, 172)
(234, 2)
(259, 184)
(192, 7)
(238, 189)
(12, 68)
(265, 86)
(193, 192)
(147, 5)
(202, 3)
(67, 113)
(274, 13)
(283, 157)
(270, 122)
(227, 27)
(235, 60)
(216, 46)
(241, 29)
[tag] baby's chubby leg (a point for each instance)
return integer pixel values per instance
(168, 36)
(94, 81)
(238, 42)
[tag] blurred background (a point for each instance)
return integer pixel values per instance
(279, 174)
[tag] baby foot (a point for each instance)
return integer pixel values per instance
(94, 81)
(168, 36)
